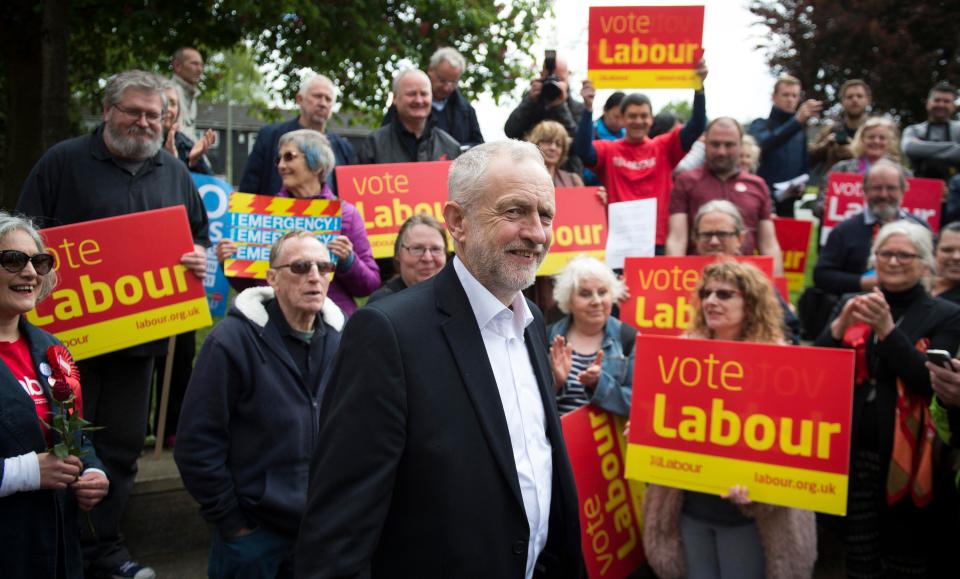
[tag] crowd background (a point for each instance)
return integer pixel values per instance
(705, 155)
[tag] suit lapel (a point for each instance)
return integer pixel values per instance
(466, 343)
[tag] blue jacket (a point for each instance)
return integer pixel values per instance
(615, 388)
(250, 418)
(260, 174)
(29, 539)
(783, 147)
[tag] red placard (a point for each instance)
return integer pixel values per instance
(844, 198)
(661, 288)
(386, 195)
(708, 414)
(794, 238)
(645, 46)
(121, 282)
(609, 504)
(580, 226)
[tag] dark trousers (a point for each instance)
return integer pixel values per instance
(116, 395)
(183, 352)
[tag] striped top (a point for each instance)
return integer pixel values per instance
(573, 395)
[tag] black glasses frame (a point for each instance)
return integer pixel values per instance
(15, 261)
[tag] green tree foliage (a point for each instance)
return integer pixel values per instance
(680, 109)
(359, 44)
(900, 48)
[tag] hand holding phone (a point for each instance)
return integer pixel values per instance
(940, 358)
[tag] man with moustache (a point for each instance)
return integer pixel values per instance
(440, 452)
(833, 142)
(118, 169)
(722, 178)
(410, 138)
(842, 265)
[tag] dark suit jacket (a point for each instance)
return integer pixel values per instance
(457, 118)
(260, 174)
(414, 475)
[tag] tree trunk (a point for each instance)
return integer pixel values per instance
(20, 38)
(55, 97)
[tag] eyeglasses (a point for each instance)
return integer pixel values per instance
(722, 294)
(721, 235)
(303, 267)
(902, 256)
(15, 261)
(287, 157)
(135, 114)
(418, 250)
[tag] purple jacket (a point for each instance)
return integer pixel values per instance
(362, 276)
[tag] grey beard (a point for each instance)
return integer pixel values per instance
(127, 147)
(885, 211)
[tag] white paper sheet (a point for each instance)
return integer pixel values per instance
(631, 230)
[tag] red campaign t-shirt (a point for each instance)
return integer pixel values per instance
(632, 171)
(16, 355)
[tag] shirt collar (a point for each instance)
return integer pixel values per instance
(869, 218)
(486, 306)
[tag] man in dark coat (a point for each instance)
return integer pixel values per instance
(440, 452)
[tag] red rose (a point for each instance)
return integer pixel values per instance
(61, 391)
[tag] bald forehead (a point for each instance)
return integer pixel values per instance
(414, 78)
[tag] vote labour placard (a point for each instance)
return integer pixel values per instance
(709, 414)
(645, 46)
(256, 221)
(610, 517)
(661, 288)
(580, 226)
(386, 195)
(844, 198)
(121, 282)
(794, 238)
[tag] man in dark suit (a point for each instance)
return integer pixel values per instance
(440, 452)
(316, 98)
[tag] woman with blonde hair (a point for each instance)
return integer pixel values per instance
(554, 143)
(696, 535)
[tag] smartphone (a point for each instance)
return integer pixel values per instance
(940, 358)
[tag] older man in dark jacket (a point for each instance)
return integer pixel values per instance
(250, 415)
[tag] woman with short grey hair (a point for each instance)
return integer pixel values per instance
(304, 159)
(591, 352)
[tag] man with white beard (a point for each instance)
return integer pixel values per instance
(118, 169)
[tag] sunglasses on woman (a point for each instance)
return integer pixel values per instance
(15, 261)
(303, 267)
(722, 294)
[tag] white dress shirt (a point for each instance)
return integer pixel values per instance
(502, 331)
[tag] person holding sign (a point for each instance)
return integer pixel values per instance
(691, 534)
(638, 167)
(591, 352)
(39, 492)
(891, 512)
(419, 253)
(304, 161)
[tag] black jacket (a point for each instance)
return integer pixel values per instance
(384, 146)
(29, 521)
(249, 419)
(458, 118)
(414, 475)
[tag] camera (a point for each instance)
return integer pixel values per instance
(551, 90)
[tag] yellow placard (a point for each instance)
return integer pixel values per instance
(619, 78)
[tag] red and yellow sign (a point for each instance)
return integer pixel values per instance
(387, 195)
(256, 221)
(709, 414)
(794, 238)
(645, 46)
(844, 198)
(121, 282)
(610, 517)
(660, 290)
(580, 226)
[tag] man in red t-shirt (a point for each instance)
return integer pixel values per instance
(636, 166)
(721, 178)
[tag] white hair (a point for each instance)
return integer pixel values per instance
(466, 183)
(580, 268)
(403, 74)
(919, 236)
(306, 83)
(449, 54)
